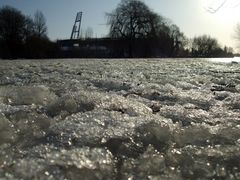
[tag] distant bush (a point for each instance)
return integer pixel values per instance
(39, 47)
(12, 32)
(24, 37)
(206, 46)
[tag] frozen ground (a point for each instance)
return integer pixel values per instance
(119, 119)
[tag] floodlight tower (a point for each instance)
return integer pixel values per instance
(76, 27)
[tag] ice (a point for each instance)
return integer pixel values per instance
(197, 136)
(25, 95)
(228, 135)
(91, 128)
(150, 163)
(186, 114)
(6, 130)
(126, 106)
(234, 102)
(119, 119)
(158, 135)
(111, 85)
(67, 164)
(65, 103)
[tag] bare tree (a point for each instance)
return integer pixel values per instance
(216, 5)
(12, 32)
(132, 19)
(29, 27)
(205, 46)
(177, 39)
(40, 26)
(237, 34)
(12, 23)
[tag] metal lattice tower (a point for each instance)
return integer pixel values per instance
(76, 27)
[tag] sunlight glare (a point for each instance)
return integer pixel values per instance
(224, 11)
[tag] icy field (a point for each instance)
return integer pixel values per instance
(119, 119)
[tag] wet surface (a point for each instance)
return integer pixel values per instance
(119, 119)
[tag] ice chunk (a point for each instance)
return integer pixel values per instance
(227, 135)
(185, 85)
(192, 135)
(200, 98)
(100, 126)
(91, 127)
(221, 95)
(185, 114)
(24, 95)
(238, 88)
(7, 134)
(156, 134)
(122, 147)
(150, 163)
(113, 85)
(234, 102)
(65, 103)
(24, 121)
(71, 103)
(67, 164)
(85, 162)
(124, 105)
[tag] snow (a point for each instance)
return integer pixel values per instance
(119, 119)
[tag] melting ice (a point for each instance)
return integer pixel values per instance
(119, 119)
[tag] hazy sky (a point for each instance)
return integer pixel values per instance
(190, 15)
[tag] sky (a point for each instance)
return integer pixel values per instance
(193, 17)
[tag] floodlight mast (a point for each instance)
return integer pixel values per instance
(77, 26)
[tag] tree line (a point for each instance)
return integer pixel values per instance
(22, 36)
(132, 20)
(132, 23)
